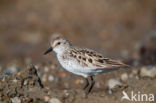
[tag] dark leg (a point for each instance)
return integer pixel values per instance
(87, 84)
(92, 84)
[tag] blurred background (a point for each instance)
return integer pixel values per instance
(113, 27)
(120, 29)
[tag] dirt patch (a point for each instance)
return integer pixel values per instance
(26, 87)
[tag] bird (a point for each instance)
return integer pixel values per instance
(82, 61)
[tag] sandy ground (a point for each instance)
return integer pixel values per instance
(118, 29)
(26, 86)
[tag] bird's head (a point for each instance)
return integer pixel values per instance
(58, 44)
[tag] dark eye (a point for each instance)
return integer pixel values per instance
(58, 43)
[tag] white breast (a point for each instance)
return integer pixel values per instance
(73, 66)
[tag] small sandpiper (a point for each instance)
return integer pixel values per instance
(81, 61)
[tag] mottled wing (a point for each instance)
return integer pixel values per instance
(92, 59)
(109, 63)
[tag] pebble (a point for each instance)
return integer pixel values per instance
(124, 77)
(110, 91)
(148, 71)
(112, 83)
(46, 98)
(51, 78)
(15, 100)
(37, 66)
(135, 71)
(15, 80)
(11, 69)
(54, 100)
(66, 93)
(19, 74)
(44, 78)
(79, 81)
(25, 82)
(46, 69)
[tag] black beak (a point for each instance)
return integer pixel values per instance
(49, 50)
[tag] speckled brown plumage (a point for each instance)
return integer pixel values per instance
(94, 59)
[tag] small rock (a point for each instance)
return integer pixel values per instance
(37, 66)
(54, 100)
(79, 81)
(46, 98)
(15, 80)
(11, 69)
(44, 78)
(19, 74)
(112, 83)
(25, 82)
(148, 71)
(47, 88)
(15, 100)
(51, 78)
(110, 91)
(135, 71)
(124, 77)
(46, 69)
(66, 93)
